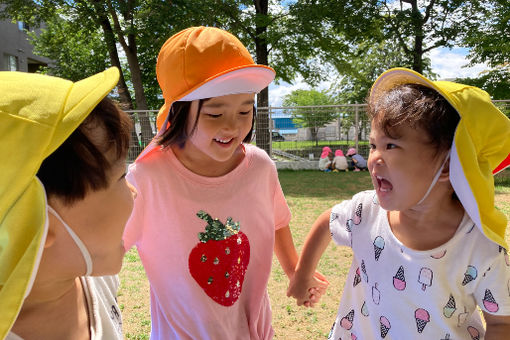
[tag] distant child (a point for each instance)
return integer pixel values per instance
(326, 160)
(358, 162)
(210, 210)
(429, 245)
(340, 162)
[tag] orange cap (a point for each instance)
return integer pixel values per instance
(205, 62)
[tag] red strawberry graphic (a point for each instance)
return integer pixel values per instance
(218, 263)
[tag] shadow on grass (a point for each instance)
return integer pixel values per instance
(329, 185)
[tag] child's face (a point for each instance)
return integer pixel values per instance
(331, 156)
(401, 169)
(99, 220)
(222, 125)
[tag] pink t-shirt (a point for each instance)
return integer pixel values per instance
(165, 229)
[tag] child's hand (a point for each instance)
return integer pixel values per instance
(317, 291)
(307, 291)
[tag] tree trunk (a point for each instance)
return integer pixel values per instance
(417, 18)
(262, 135)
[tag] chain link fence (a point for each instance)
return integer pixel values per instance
(296, 133)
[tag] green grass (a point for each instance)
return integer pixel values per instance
(308, 194)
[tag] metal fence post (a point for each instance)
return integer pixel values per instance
(356, 127)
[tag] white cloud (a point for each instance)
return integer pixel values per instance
(447, 63)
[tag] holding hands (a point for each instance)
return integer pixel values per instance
(307, 290)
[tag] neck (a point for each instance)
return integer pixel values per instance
(429, 224)
(53, 310)
(201, 164)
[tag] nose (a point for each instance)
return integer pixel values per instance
(375, 157)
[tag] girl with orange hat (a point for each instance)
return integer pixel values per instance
(429, 245)
(210, 208)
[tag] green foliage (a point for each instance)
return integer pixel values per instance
(308, 116)
(77, 51)
(495, 81)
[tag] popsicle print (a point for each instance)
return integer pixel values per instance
(425, 278)
(376, 294)
(422, 317)
(475, 334)
(399, 280)
(364, 309)
(378, 247)
(470, 274)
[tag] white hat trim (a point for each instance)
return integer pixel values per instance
(244, 80)
(462, 188)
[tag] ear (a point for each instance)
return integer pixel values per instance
(51, 235)
(445, 173)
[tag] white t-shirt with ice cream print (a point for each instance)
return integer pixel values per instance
(393, 292)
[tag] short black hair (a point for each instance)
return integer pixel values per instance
(420, 107)
(177, 134)
(79, 165)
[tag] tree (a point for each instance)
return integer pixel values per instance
(305, 115)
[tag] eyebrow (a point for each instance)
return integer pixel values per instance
(220, 104)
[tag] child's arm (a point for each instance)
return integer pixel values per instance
(498, 327)
(287, 256)
(316, 243)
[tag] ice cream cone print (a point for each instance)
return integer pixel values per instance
(475, 335)
(376, 294)
(425, 278)
(349, 224)
(450, 307)
(399, 280)
(364, 309)
(346, 321)
(375, 200)
(364, 271)
(333, 217)
(357, 214)
(331, 330)
(353, 337)
(378, 247)
(422, 318)
(446, 337)
(489, 303)
(470, 274)
(357, 278)
(385, 326)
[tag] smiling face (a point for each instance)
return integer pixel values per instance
(222, 125)
(402, 168)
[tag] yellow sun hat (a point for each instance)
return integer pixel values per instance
(37, 114)
(205, 62)
(481, 146)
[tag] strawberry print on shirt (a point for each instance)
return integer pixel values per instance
(219, 261)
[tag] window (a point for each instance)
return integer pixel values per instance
(23, 26)
(11, 62)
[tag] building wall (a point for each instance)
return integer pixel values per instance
(16, 50)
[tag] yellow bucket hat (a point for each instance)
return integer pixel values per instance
(37, 114)
(481, 146)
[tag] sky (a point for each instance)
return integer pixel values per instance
(447, 63)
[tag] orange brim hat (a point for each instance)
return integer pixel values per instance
(205, 62)
(480, 148)
(37, 114)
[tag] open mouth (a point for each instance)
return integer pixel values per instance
(383, 184)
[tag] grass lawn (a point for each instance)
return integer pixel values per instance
(308, 194)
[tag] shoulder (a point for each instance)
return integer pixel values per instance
(258, 157)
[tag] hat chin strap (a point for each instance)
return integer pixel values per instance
(83, 249)
(436, 178)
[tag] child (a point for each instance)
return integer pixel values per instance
(358, 162)
(64, 203)
(210, 209)
(428, 243)
(326, 160)
(340, 162)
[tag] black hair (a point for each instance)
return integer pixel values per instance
(79, 165)
(178, 116)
